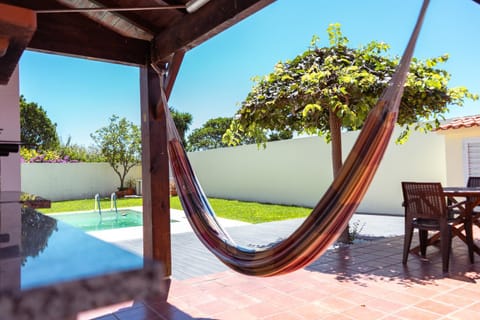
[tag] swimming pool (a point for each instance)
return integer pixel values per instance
(91, 221)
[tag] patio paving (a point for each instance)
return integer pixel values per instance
(362, 281)
(191, 259)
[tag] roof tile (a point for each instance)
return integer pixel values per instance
(463, 122)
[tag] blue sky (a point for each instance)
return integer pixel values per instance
(80, 95)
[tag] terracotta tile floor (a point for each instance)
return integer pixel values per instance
(362, 281)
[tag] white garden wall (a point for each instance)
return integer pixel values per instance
(66, 181)
(298, 171)
(294, 172)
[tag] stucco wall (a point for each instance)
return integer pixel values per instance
(289, 172)
(10, 123)
(454, 153)
(294, 172)
(65, 181)
(298, 171)
(421, 158)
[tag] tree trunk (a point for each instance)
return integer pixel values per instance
(336, 134)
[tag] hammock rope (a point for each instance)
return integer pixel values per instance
(327, 219)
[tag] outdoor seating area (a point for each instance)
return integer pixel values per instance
(362, 281)
(450, 211)
(172, 264)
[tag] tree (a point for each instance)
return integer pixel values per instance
(209, 136)
(37, 131)
(120, 144)
(327, 89)
(182, 121)
(80, 153)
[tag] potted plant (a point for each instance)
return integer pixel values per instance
(129, 190)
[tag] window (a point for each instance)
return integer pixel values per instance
(471, 153)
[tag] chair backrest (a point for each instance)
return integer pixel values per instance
(473, 182)
(424, 200)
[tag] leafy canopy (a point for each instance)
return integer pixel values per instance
(299, 94)
(120, 144)
(37, 131)
(65, 153)
(41, 141)
(209, 136)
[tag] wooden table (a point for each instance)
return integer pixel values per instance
(472, 199)
(471, 196)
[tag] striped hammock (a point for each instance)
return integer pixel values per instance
(332, 213)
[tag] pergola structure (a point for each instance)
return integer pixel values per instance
(138, 33)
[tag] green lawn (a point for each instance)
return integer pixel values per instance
(251, 212)
(89, 204)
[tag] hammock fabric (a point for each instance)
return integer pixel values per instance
(332, 213)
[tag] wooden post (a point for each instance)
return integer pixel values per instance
(155, 173)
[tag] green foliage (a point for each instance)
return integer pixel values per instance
(355, 231)
(37, 131)
(32, 155)
(209, 136)
(120, 145)
(65, 153)
(182, 121)
(80, 153)
(299, 94)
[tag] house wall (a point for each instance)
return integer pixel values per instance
(454, 153)
(10, 123)
(298, 171)
(67, 181)
(421, 158)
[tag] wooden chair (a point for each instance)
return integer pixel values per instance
(426, 209)
(475, 182)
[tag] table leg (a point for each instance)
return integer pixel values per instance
(469, 231)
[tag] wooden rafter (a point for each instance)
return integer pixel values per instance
(110, 19)
(173, 69)
(4, 43)
(77, 35)
(150, 20)
(17, 26)
(195, 28)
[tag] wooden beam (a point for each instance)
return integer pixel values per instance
(147, 20)
(4, 43)
(197, 27)
(75, 35)
(110, 18)
(17, 26)
(155, 173)
(173, 69)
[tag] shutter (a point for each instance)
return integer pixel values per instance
(473, 159)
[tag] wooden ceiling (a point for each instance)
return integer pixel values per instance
(134, 37)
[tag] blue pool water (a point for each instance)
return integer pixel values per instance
(91, 221)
